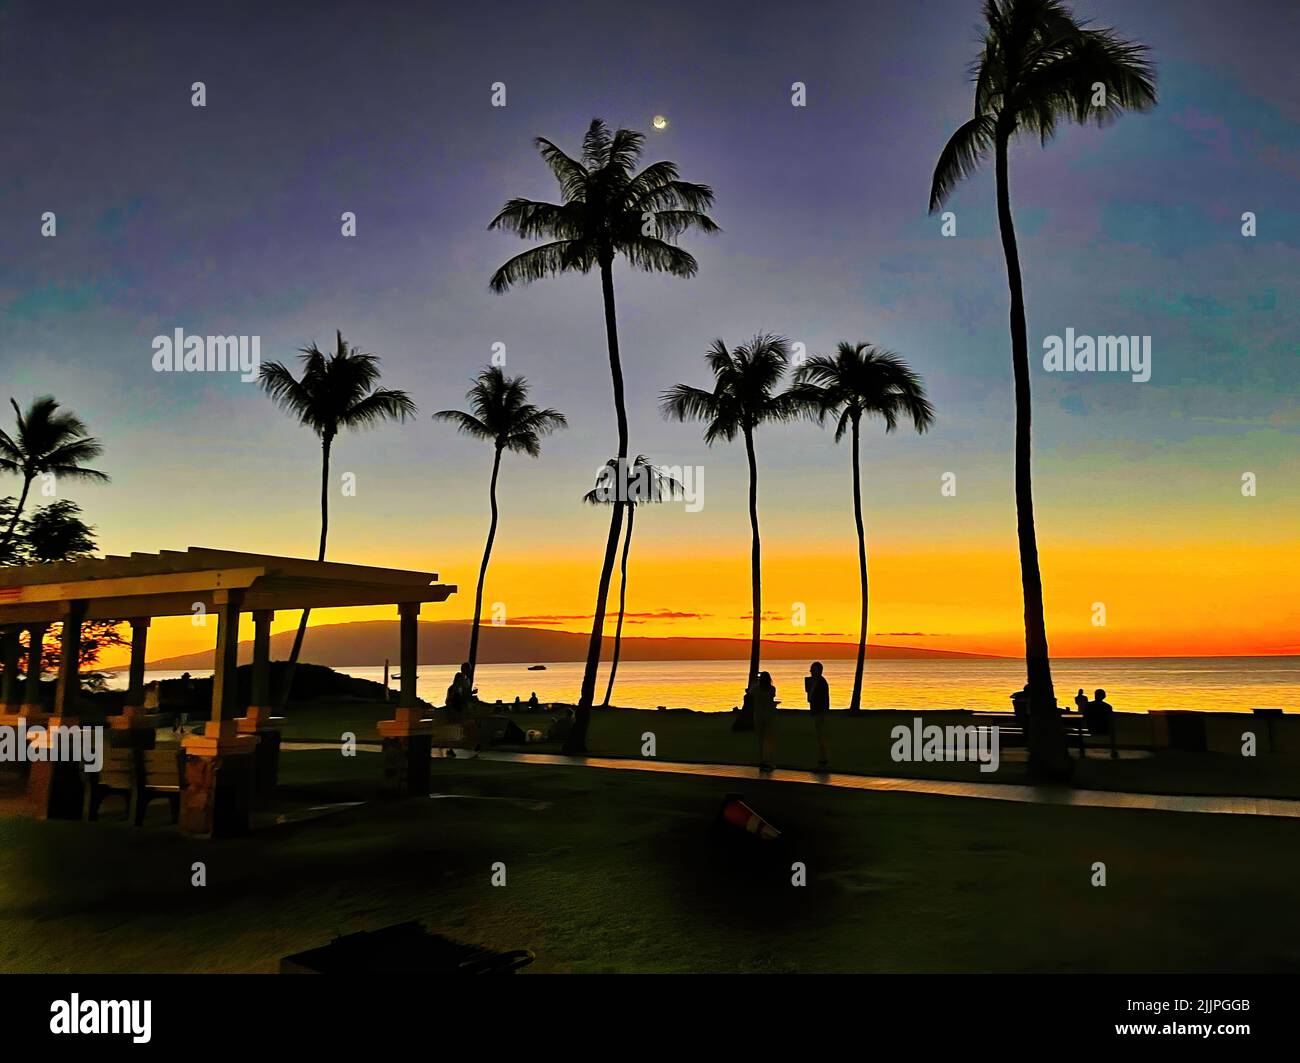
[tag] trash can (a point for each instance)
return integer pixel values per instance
(1179, 729)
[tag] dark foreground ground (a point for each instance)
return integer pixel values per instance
(620, 871)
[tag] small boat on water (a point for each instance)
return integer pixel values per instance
(537, 667)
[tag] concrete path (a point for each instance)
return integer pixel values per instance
(1040, 795)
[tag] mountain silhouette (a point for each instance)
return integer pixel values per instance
(445, 641)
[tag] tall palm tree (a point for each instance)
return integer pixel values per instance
(335, 392)
(862, 380)
(743, 397)
(501, 414)
(1039, 66)
(46, 441)
(647, 483)
(607, 210)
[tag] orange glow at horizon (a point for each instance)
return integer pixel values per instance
(1162, 600)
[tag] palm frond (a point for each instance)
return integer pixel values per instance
(961, 157)
(547, 260)
(570, 173)
(384, 404)
(466, 423)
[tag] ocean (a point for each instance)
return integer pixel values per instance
(1219, 684)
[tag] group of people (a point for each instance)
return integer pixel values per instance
(1096, 713)
(461, 695)
(761, 701)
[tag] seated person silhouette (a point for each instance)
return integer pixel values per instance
(1020, 704)
(1097, 714)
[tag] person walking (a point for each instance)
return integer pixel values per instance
(819, 707)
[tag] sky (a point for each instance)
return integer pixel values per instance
(225, 219)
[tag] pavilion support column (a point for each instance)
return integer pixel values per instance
(133, 709)
(408, 738)
(33, 708)
(217, 798)
(11, 652)
(68, 691)
(257, 718)
(54, 787)
(258, 713)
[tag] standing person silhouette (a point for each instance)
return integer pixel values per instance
(1081, 700)
(819, 707)
(763, 700)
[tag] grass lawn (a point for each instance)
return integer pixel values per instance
(615, 871)
(858, 744)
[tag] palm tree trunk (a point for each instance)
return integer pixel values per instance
(622, 606)
(745, 720)
(1048, 755)
(576, 743)
(855, 704)
(287, 686)
(482, 571)
(13, 521)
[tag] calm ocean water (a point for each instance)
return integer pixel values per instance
(1222, 684)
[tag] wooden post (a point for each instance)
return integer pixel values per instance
(32, 687)
(408, 740)
(219, 768)
(225, 679)
(257, 717)
(258, 713)
(139, 647)
(133, 714)
(410, 614)
(11, 693)
(69, 685)
(54, 787)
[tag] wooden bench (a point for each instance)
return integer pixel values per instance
(1075, 726)
(139, 775)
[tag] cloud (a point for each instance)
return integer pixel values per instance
(631, 618)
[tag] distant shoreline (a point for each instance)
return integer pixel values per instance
(175, 664)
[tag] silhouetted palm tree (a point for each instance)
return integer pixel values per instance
(1039, 66)
(503, 416)
(646, 483)
(861, 381)
(743, 397)
(607, 210)
(46, 442)
(336, 392)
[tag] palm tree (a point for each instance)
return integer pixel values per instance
(46, 442)
(743, 397)
(606, 210)
(503, 416)
(1039, 66)
(646, 483)
(336, 392)
(862, 380)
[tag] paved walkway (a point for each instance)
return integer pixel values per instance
(1039, 795)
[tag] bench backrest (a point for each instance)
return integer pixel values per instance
(162, 767)
(119, 769)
